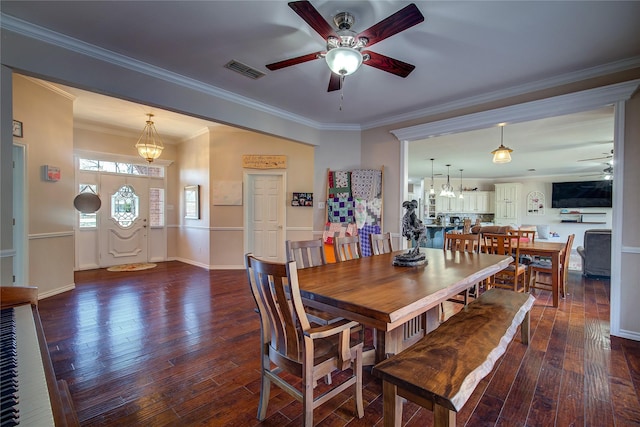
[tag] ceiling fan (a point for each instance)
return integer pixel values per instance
(607, 172)
(606, 156)
(345, 44)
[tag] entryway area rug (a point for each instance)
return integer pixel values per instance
(132, 267)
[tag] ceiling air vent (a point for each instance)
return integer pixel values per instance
(245, 70)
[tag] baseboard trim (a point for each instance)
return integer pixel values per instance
(47, 294)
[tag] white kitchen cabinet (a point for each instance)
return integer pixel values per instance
(443, 204)
(477, 202)
(507, 199)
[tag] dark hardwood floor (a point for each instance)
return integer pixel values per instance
(179, 345)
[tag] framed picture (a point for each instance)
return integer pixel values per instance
(302, 199)
(192, 202)
(17, 129)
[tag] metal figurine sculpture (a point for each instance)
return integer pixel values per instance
(413, 230)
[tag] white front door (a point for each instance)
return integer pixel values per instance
(265, 216)
(124, 220)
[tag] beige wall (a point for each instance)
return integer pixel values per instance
(227, 222)
(6, 176)
(193, 169)
(47, 118)
(630, 287)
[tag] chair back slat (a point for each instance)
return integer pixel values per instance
(276, 291)
(381, 243)
(565, 260)
(462, 242)
(346, 248)
(503, 244)
(306, 253)
(567, 250)
(530, 235)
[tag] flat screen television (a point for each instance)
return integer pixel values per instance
(582, 194)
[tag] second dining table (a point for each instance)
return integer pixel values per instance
(400, 303)
(553, 250)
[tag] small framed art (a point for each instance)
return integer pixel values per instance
(17, 129)
(302, 199)
(192, 202)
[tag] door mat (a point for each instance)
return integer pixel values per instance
(132, 267)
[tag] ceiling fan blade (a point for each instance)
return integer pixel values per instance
(311, 16)
(294, 61)
(594, 158)
(390, 65)
(405, 18)
(334, 82)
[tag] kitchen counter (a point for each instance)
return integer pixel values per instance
(435, 234)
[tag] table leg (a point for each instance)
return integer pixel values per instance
(555, 277)
(394, 341)
(391, 405)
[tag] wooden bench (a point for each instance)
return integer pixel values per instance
(441, 370)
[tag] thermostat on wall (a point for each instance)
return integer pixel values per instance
(50, 173)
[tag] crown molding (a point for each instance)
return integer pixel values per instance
(44, 35)
(562, 79)
(50, 87)
(30, 30)
(549, 107)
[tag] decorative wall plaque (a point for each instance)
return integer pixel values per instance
(260, 161)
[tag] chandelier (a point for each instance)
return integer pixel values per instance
(431, 190)
(447, 189)
(149, 144)
(502, 154)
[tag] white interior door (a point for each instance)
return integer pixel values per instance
(123, 220)
(19, 233)
(265, 216)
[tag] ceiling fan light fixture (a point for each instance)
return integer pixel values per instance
(502, 154)
(343, 60)
(149, 144)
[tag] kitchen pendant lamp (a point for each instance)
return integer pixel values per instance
(447, 189)
(431, 190)
(502, 154)
(149, 144)
(461, 195)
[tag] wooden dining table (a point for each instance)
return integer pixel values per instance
(553, 250)
(400, 303)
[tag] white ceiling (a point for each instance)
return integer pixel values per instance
(480, 50)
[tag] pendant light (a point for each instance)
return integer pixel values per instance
(461, 195)
(431, 190)
(502, 154)
(447, 189)
(149, 144)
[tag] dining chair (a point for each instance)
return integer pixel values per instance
(306, 253)
(346, 248)
(294, 347)
(529, 235)
(525, 236)
(509, 278)
(543, 268)
(458, 242)
(381, 243)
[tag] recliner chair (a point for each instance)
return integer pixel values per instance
(596, 253)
